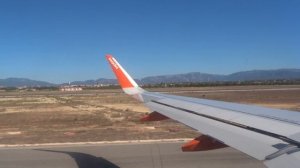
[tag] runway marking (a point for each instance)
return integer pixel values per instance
(94, 143)
(230, 90)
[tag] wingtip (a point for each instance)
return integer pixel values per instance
(108, 56)
(125, 80)
(123, 77)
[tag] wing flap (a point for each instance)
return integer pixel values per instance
(202, 143)
(288, 160)
(154, 116)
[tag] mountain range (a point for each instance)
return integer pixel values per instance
(287, 74)
(21, 82)
(193, 77)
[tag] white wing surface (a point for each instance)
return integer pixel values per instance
(269, 135)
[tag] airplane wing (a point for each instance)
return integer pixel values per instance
(269, 135)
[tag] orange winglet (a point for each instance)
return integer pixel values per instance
(202, 143)
(122, 76)
(154, 116)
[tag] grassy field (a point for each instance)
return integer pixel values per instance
(107, 115)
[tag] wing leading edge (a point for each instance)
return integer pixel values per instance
(269, 135)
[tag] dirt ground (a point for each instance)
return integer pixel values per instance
(107, 115)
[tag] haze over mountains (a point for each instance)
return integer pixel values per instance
(20, 82)
(193, 77)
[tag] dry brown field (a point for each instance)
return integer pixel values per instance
(108, 115)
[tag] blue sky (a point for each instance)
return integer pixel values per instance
(66, 40)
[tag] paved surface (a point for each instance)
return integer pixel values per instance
(141, 155)
(231, 90)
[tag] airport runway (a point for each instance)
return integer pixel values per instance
(232, 90)
(138, 155)
(117, 91)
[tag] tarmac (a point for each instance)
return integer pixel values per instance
(122, 155)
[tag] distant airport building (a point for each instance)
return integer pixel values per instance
(70, 88)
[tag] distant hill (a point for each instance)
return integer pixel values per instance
(287, 74)
(193, 77)
(182, 78)
(95, 82)
(265, 75)
(239, 76)
(20, 82)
